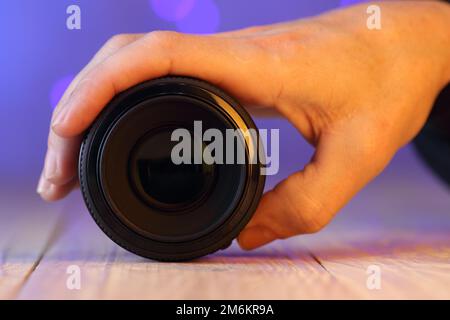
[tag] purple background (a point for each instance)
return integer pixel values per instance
(401, 220)
(39, 56)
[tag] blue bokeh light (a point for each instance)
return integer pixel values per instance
(41, 54)
(203, 18)
(172, 10)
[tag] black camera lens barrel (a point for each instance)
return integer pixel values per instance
(146, 203)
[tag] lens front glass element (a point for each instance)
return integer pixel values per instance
(162, 183)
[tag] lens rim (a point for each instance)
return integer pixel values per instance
(103, 214)
(114, 179)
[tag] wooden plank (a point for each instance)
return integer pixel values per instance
(400, 223)
(410, 268)
(26, 230)
(109, 272)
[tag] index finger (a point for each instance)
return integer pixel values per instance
(236, 65)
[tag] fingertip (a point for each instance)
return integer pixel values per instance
(60, 180)
(43, 184)
(47, 191)
(58, 124)
(51, 192)
(242, 241)
(69, 123)
(255, 236)
(64, 129)
(65, 171)
(59, 168)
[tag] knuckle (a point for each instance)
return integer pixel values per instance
(283, 40)
(277, 54)
(97, 77)
(253, 29)
(163, 39)
(118, 40)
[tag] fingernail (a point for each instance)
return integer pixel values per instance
(60, 116)
(43, 184)
(256, 236)
(50, 165)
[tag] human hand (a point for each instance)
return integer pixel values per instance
(357, 95)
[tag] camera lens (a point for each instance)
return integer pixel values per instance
(157, 207)
(159, 181)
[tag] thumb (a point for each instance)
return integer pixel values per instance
(307, 200)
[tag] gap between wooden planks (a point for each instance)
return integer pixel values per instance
(331, 265)
(401, 223)
(23, 238)
(110, 272)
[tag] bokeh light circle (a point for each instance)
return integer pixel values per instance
(203, 18)
(172, 10)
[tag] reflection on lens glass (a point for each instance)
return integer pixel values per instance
(170, 183)
(161, 182)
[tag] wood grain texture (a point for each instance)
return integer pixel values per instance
(23, 240)
(400, 223)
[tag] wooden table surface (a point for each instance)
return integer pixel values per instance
(400, 224)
